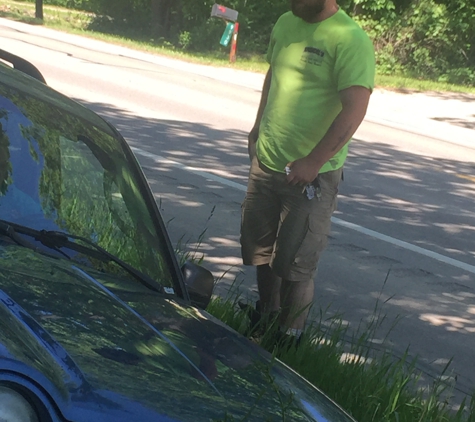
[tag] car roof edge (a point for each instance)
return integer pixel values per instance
(22, 65)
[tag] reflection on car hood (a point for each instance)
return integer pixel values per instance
(102, 345)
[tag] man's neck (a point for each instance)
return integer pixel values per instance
(326, 13)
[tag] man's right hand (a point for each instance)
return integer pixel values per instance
(252, 139)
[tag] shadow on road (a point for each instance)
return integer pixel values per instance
(467, 124)
(459, 96)
(402, 194)
(192, 144)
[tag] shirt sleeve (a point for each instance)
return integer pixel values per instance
(355, 61)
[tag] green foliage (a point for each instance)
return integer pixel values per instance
(426, 39)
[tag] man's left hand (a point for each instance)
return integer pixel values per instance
(302, 172)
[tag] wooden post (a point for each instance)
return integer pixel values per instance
(232, 55)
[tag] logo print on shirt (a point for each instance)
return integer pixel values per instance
(312, 55)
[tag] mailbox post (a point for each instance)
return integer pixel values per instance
(230, 16)
(232, 54)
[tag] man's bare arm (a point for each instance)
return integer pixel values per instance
(254, 133)
(354, 102)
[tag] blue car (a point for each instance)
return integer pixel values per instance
(98, 322)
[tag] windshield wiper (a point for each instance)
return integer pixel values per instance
(56, 240)
(7, 229)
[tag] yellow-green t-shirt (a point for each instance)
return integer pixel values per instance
(311, 63)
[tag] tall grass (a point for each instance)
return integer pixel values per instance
(372, 385)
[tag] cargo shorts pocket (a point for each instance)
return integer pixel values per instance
(313, 243)
(298, 252)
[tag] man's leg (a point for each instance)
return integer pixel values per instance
(269, 289)
(296, 300)
(259, 225)
(301, 238)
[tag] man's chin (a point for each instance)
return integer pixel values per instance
(297, 9)
(298, 14)
(307, 13)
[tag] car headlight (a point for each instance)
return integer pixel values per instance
(14, 407)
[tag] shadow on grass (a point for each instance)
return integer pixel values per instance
(20, 17)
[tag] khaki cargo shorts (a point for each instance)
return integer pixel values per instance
(280, 226)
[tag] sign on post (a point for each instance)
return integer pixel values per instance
(228, 34)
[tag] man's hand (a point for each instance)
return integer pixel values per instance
(252, 139)
(302, 172)
(354, 101)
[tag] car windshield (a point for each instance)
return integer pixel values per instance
(62, 168)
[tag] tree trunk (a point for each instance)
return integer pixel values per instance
(161, 11)
(39, 9)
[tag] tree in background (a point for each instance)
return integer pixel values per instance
(161, 11)
(429, 39)
(39, 9)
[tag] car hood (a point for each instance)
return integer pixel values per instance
(106, 348)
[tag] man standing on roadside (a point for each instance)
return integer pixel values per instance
(314, 98)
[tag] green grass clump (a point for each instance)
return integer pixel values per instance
(371, 385)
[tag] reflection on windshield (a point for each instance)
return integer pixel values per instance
(59, 172)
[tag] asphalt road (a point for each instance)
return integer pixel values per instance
(403, 237)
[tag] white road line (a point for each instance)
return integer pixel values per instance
(405, 245)
(360, 229)
(206, 174)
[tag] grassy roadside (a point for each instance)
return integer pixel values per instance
(77, 22)
(372, 386)
(369, 382)
(366, 378)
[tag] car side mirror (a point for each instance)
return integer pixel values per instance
(199, 283)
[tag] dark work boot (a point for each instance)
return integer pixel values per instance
(258, 322)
